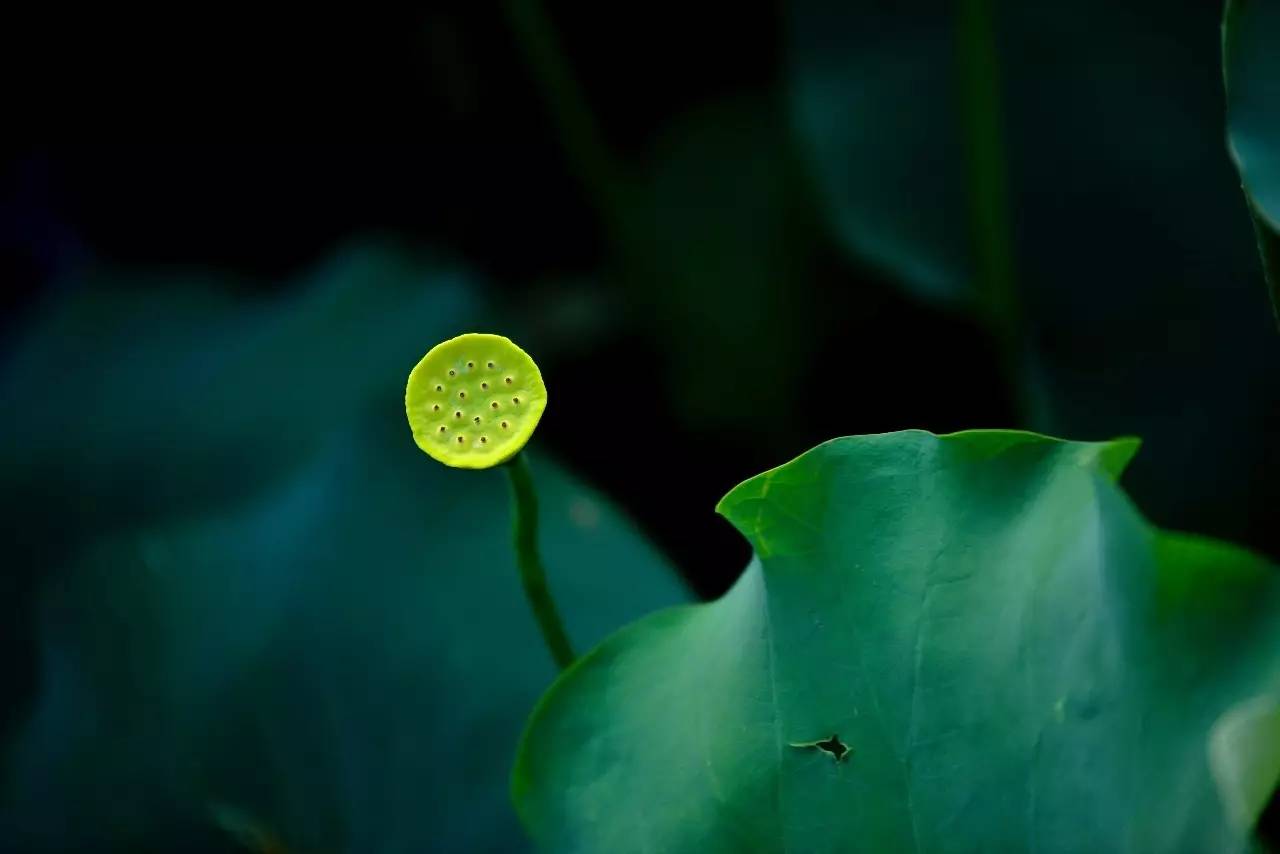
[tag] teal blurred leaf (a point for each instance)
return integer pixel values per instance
(873, 104)
(145, 394)
(1251, 70)
(1012, 657)
(1102, 124)
(295, 614)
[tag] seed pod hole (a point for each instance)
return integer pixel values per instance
(516, 401)
(507, 380)
(504, 425)
(460, 440)
(484, 386)
(484, 440)
(452, 372)
(462, 395)
(471, 364)
(439, 388)
(443, 428)
(435, 408)
(457, 414)
(476, 419)
(491, 366)
(494, 404)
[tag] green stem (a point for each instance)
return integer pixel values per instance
(532, 574)
(987, 179)
(1269, 249)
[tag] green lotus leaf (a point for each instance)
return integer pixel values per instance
(1244, 754)
(969, 642)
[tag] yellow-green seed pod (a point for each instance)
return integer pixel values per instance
(473, 401)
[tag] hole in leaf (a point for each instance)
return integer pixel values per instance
(832, 746)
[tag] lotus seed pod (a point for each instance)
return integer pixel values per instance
(473, 401)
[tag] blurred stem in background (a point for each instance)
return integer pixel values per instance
(601, 173)
(995, 288)
(532, 573)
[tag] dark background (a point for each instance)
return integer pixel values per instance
(637, 194)
(473, 164)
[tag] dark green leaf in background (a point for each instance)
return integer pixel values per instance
(1251, 70)
(1013, 657)
(265, 601)
(874, 105)
(721, 241)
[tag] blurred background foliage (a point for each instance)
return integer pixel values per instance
(1251, 73)
(232, 580)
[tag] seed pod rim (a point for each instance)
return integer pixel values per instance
(431, 373)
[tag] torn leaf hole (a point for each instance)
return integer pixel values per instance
(832, 746)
